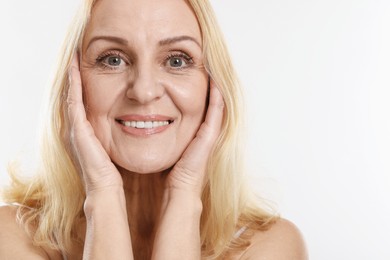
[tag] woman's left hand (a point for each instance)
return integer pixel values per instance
(178, 231)
(189, 173)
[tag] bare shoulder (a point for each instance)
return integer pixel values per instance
(282, 241)
(15, 243)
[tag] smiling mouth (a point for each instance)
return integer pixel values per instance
(144, 124)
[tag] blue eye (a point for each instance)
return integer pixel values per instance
(176, 62)
(111, 60)
(114, 61)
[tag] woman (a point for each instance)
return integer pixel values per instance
(142, 156)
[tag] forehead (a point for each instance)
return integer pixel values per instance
(143, 19)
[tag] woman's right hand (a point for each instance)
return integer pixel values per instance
(99, 173)
(108, 234)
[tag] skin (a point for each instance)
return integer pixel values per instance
(282, 241)
(165, 171)
(144, 82)
(152, 35)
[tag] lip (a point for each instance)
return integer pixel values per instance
(152, 117)
(143, 132)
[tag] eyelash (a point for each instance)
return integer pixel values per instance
(100, 59)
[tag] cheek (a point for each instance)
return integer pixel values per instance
(190, 95)
(101, 92)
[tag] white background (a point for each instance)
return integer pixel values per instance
(317, 83)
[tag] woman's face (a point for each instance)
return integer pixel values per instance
(145, 87)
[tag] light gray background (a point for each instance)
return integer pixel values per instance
(317, 84)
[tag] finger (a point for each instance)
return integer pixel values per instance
(76, 111)
(214, 116)
(88, 148)
(79, 126)
(211, 127)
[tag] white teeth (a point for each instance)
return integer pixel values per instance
(144, 124)
(140, 124)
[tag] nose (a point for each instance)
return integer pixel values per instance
(144, 86)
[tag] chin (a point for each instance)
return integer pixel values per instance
(145, 159)
(146, 168)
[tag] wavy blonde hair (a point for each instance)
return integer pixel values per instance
(53, 200)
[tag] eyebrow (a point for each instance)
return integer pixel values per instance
(178, 39)
(108, 38)
(163, 42)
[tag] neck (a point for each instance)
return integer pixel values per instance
(144, 193)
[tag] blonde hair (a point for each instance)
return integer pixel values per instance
(53, 200)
